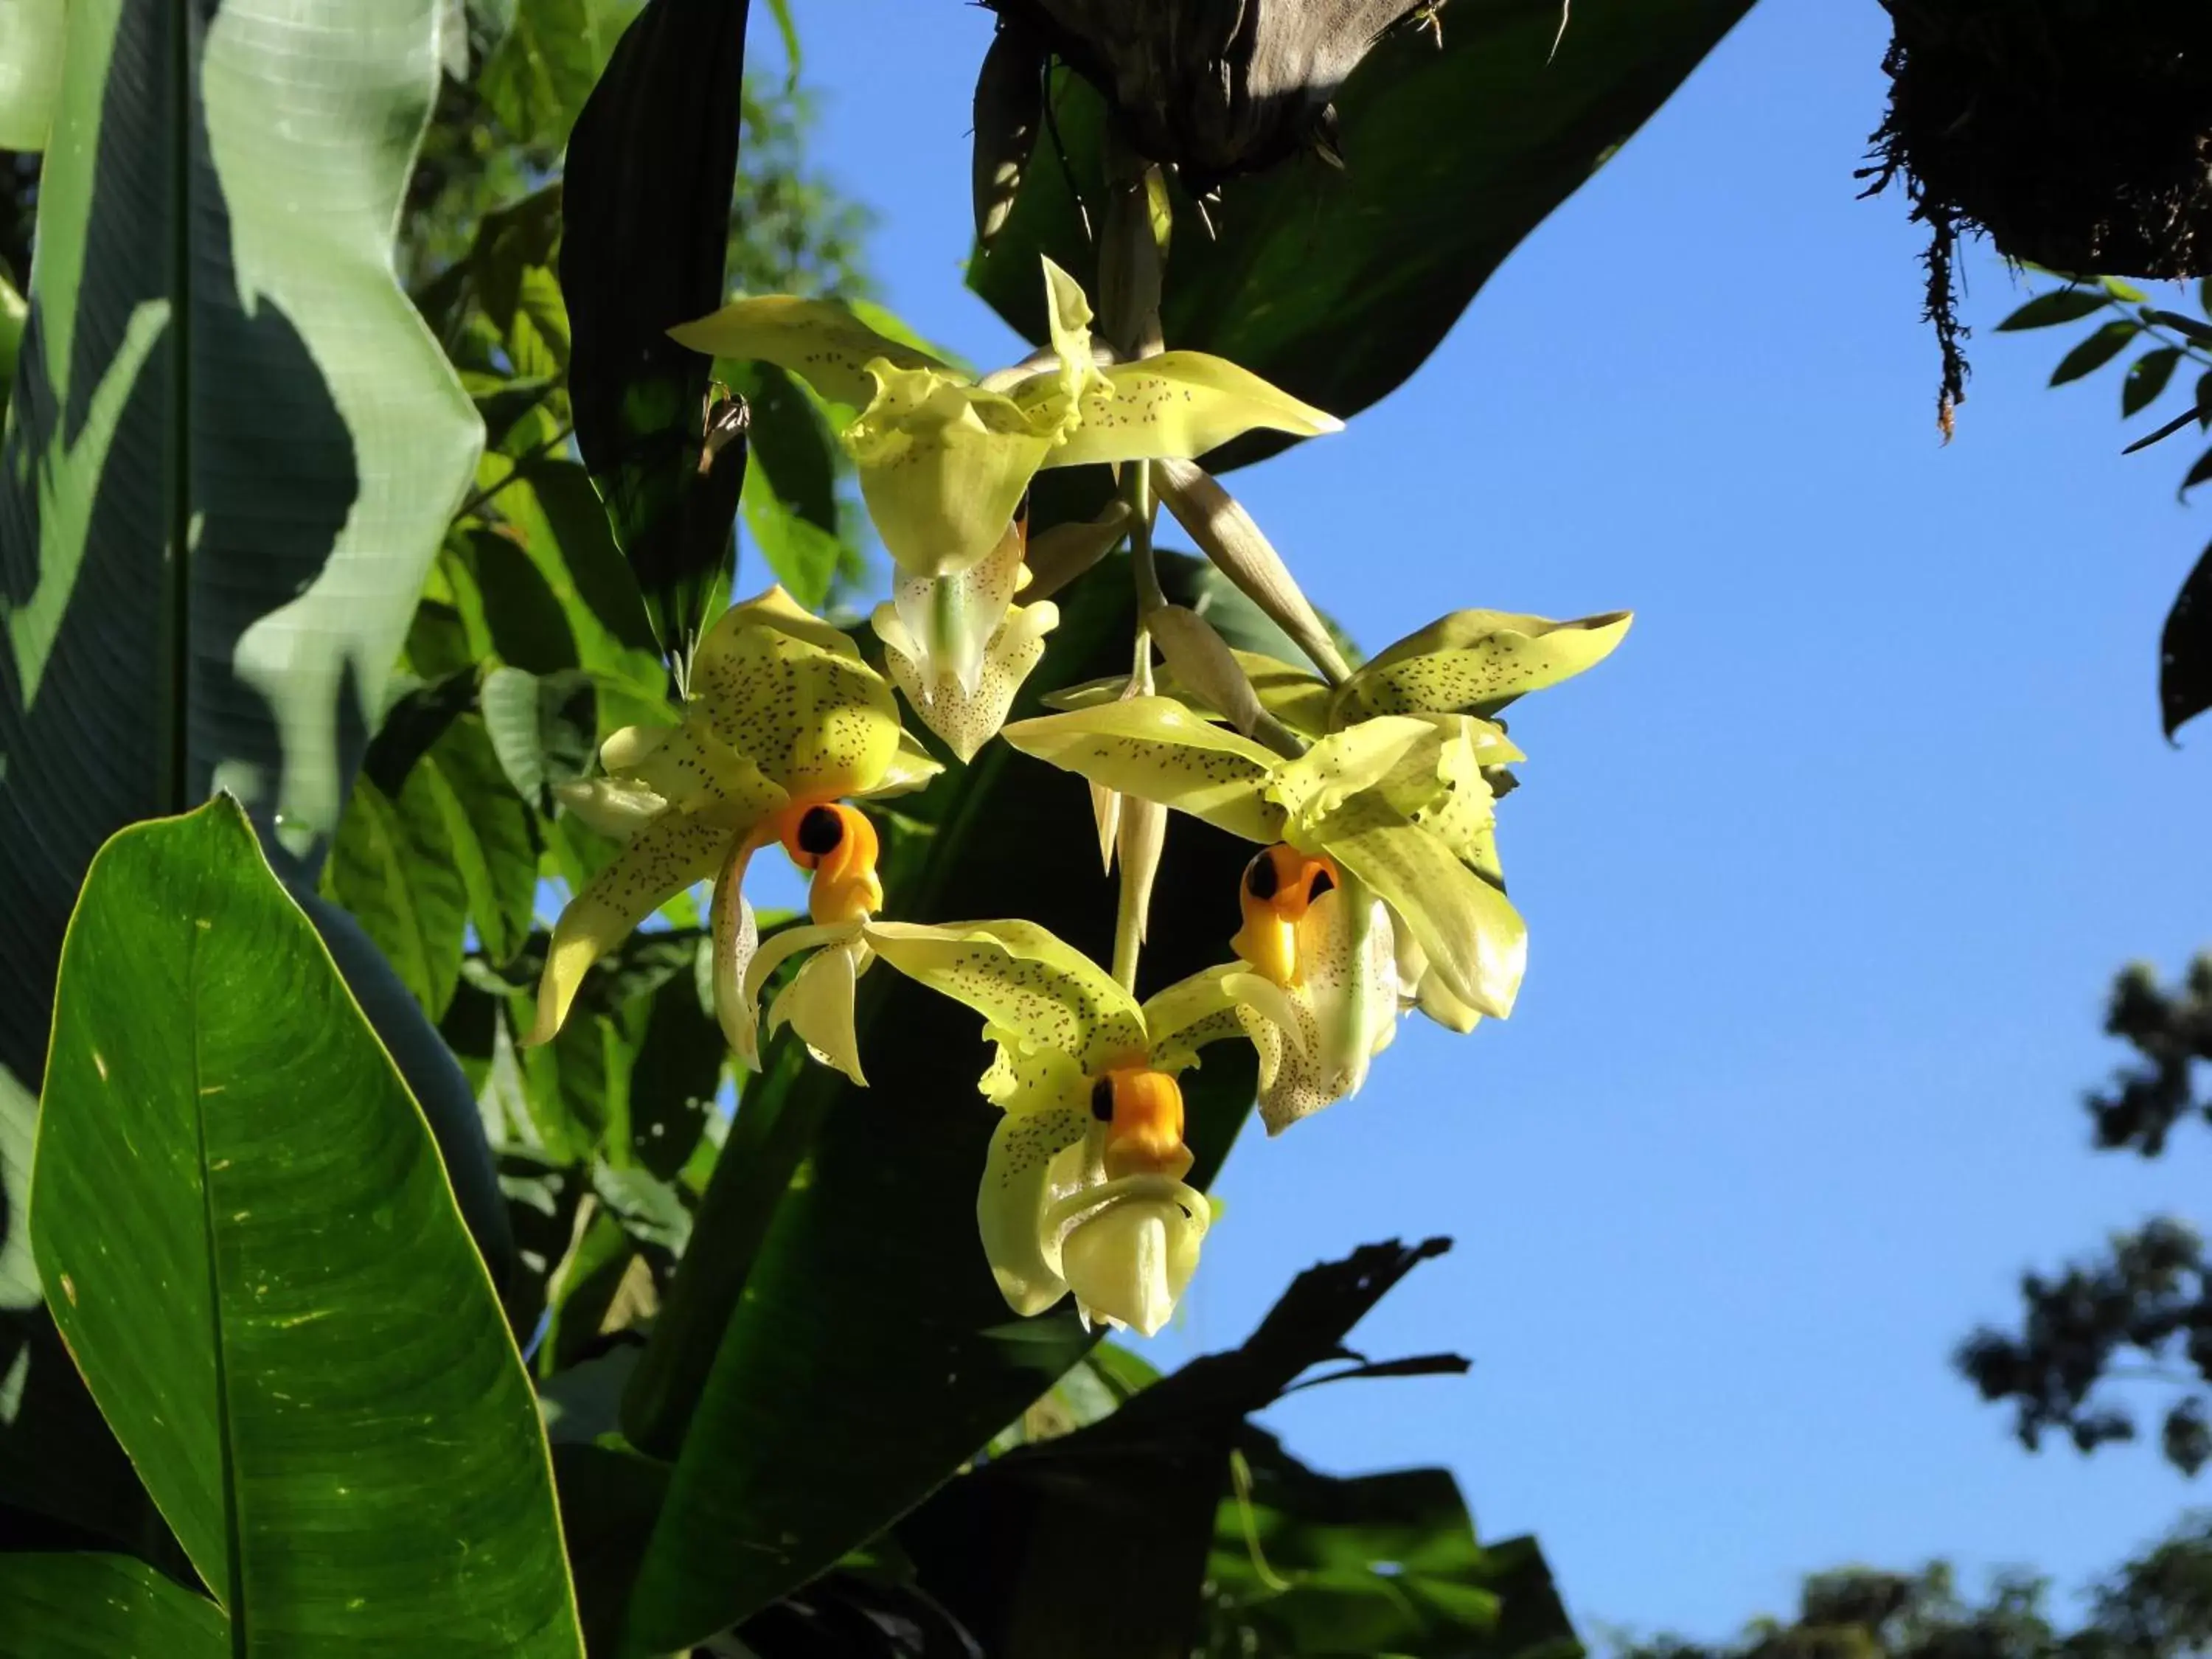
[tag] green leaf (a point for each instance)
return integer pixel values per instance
(645, 204)
(804, 558)
(231, 450)
(543, 728)
(32, 34)
(2198, 473)
(867, 1296)
(96, 1606)
(2184, 650)
(393, 869)
(248, 1241)
(2123, 290)
(492, 836)
(2060, 305)
(794, 452)
(1336, 286)
(2094, 352)
(2147, 378)
(543, 69)
(13, 311)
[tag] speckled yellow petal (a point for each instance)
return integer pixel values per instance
(1296, 696)
(1183, 1018)
(818, 340)
(692, 770)
(817, 1004)
(966, 718)
(1155, 748)
(792, 696)
(911, 769)
(943, 465)
(1419, 988)
(734, 935)
(1042, 1152)
(1032, 989)
(946, 621)
(1476, 662)
(665, 857)
(1476, 942)
(1180, 403)
(610, 806)
(1315, 1038)
(1346, 764)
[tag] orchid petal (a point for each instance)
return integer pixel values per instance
(736, 933)
(609, 806)
(1476, 943)
(1033, 990)
(1419, 988)
(1315, 1038)
(1067, 318)
(794, 695)
(1179, 404)
(665, 857)
(965, 719)
(911, 769)
(1155, 748)
(1041, 1152)
(943, 466)
(948, 621)
(1183, 1018)
(817, 1004)
(741, 1021)
(1130, 1263)
(818, 340)
(692, 770)
(1477, 662)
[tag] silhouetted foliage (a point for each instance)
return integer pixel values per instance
(2142, 1311)
(2157, 1605)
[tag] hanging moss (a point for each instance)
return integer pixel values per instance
(2076, 133)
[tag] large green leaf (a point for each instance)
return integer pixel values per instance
(231, 448)
(645, 214)
(32, 34)
(858, 1297)
(249, 1244)
(98, 1607)
(1336, 285)
(539, 76)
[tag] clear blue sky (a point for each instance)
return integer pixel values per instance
(1827, 870)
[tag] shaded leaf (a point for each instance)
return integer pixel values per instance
(2147, 378)
(544, 728)
(2095, 351)
(392, 868)
(2184, 650)
(537, 77)
(96, 1606)
(651, 168)
(214, 1100)
(2064, 304)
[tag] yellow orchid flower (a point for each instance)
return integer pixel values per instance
(1397, 804)
(785, 723)
(1083, 1189)
(944, 460)
(1317, 988)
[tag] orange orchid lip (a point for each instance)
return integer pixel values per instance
(840, 847)
(1142, 1109)
(1279, 887)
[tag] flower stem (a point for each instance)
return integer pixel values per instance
(1136, 490)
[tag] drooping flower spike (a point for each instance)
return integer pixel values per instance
(786, 722)
(944, 460)
(1084, 1188)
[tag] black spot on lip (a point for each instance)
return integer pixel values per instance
(820, 831)
(1260, 876)
(1321, 883)
(1101, 1100)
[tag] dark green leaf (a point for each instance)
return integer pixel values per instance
(1336, 286)
(543, 728)
(651, 168)
(251, 1246)
(2193, 328)
(502, 406)
(417, 718)
(2184, 650)
(203, 189)
(2147, 378)
(802, 556)
(492, 834)
(13, 310)
(505, 601)
(2063, 305)
(794, 452)
(863, 1290)
(2199, 472)
(393, 869)
(97, 1607)
(2094, 352)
